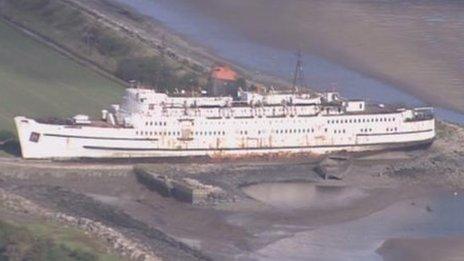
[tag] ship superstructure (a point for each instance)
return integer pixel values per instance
(152, 124)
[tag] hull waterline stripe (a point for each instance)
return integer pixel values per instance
(145, 139)
(395, 133)
(96, 138)
(259, 148)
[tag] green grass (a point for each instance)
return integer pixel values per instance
(47, 241)
(37, 81)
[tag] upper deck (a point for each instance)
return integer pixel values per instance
(139, 104)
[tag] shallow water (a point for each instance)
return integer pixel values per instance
(435, 216)
(303, 195)
(264, 51)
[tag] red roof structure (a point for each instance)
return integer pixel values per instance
(224, 73)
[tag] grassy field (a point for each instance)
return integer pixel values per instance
(46, 241)
(37, 81)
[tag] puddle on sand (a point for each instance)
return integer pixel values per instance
(294, 195)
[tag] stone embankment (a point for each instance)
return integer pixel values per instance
(185, 189)
(443, 161)
(119, 243)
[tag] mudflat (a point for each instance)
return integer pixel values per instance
(444, 248)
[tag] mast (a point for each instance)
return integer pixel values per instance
(298, 75)
(161, 76)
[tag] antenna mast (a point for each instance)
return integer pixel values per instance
(298, 75)
(161, 76)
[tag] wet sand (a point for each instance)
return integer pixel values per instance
(423, 249)
(416, 46)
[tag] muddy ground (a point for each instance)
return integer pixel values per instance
(112, 195)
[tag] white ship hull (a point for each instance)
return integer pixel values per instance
(229, 138)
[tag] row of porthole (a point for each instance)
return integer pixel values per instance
(392, 129)
(151, 133)
(155, 123)
(366, 130)
(294, 131)
(209, 133)
(360, 120)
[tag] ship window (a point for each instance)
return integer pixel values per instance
(344, 131)
(325, 129)
(34, 137)
(151, 133)
(223, 133)
(146, 123)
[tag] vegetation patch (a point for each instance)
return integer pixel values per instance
(48, 242)
(111, 49)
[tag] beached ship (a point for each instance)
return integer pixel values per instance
(153, 124)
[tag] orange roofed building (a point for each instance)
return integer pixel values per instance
(222, 81)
